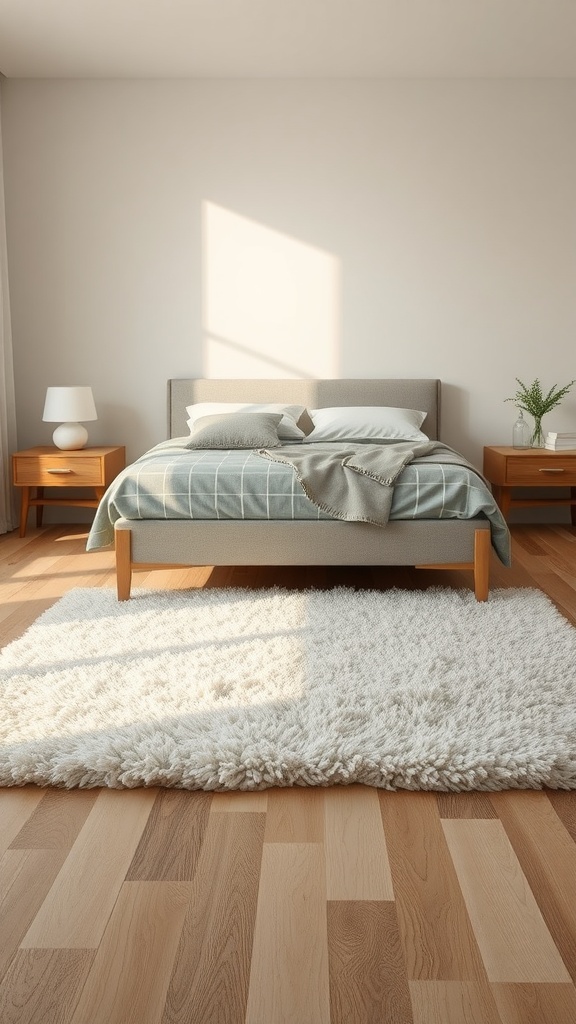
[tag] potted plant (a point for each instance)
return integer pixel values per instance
(533, 401)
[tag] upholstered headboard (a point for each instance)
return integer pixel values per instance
(314, 394)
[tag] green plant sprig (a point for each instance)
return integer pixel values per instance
(533, 401)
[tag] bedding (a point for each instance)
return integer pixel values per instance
(236, 430)
(354, 482)
(290, 414)
(172, 481)
(366, 424)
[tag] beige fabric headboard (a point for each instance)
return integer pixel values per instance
(417, 393)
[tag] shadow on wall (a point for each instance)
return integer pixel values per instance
(270, 301)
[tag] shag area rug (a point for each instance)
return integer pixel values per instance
(245, 689)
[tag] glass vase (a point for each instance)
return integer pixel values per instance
(521, 433)
(537, 439)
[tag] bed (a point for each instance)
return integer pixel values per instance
(442, 543)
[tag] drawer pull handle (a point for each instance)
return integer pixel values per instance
(59, 471)
(550, 470)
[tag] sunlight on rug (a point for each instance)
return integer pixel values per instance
(245, 689)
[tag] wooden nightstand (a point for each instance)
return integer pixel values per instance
(507, 468)
(51, 467)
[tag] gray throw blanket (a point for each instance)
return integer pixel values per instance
(356, 483)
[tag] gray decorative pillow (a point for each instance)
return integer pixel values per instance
(236, 430)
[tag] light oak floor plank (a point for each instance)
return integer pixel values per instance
(25, 879)
(357, 866)
(295, 816)
(465, 805)
(42, 986)
(536, 1004)
(436, 932)
(38, 555)
(76, 910)
(453, 1002)
(565, 806)
(367, 972)
(561, 593)
(556, 549)
(171, 842)
(547, 855)
(529, 542)
(508, 925)
(129, 977)
(15, 548)
(40, 567)
(16, 807)
(57, 820)
(289, 976)
(209, 981)
(239, 802)
(19, 615)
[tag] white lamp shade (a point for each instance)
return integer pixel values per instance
(65, 405)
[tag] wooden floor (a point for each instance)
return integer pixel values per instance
(331, 906)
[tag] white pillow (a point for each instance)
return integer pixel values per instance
(366, 423)
(287, 429)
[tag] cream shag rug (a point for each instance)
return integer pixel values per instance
(245, 689)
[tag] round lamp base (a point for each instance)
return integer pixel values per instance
(70, 436)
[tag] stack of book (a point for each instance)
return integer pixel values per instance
(557, 442)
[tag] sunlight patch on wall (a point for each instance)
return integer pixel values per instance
(271, 302)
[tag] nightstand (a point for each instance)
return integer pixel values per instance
(507, 468)
(51, 467)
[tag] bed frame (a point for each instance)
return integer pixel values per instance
(426, 544)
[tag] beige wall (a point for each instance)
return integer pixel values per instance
(272, 228)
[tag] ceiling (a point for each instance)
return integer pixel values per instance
(288, 38)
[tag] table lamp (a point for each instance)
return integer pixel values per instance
(68, 406)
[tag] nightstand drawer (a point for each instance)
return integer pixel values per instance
(542, 471)
(49, 471)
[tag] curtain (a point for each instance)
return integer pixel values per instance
(7, 402)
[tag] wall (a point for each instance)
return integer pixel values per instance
(272, 228)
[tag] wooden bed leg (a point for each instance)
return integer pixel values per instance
(123, 544)
(482, 546)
